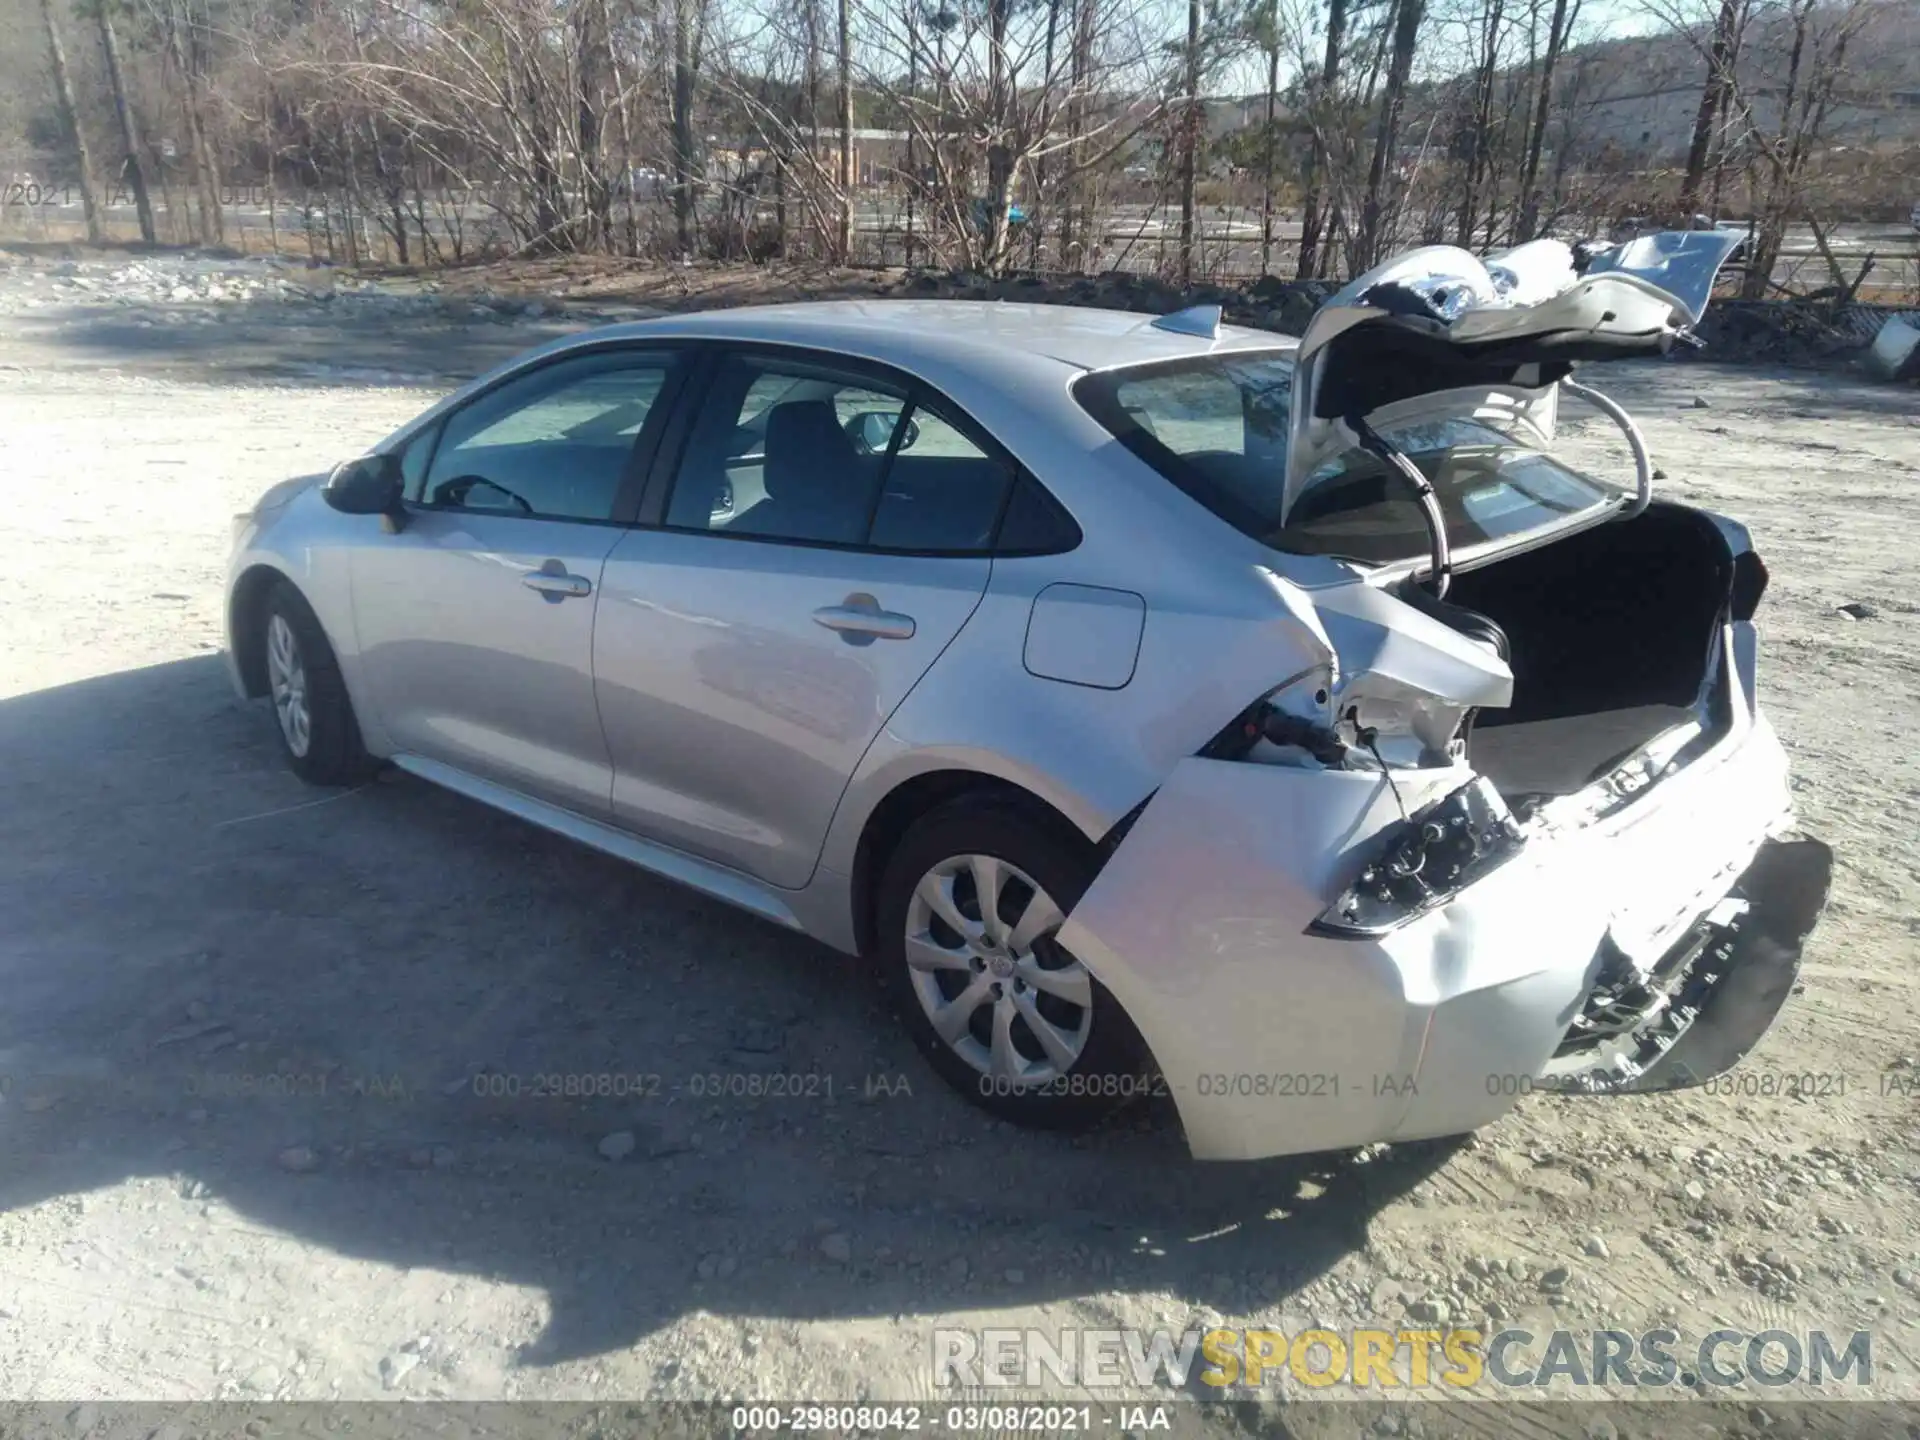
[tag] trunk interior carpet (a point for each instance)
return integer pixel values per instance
(1558, 757)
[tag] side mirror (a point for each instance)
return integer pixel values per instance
(872, 431)
(371, 485)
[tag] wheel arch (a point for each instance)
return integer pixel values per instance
(919, 795)
(247, 623)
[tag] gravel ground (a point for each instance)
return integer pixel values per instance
(256, 1139)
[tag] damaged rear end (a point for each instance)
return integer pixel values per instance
(1520, 822)
(1633, 750)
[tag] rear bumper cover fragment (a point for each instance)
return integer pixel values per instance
(1742, 987)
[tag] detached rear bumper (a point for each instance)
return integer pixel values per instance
(1276, 1041)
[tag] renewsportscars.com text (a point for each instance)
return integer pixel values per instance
(1383, 1359)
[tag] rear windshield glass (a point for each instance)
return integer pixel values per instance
(1216, 426)
(1488, 487)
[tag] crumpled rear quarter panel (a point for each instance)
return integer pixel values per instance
(1274, 1041)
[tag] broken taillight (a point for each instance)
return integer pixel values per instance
(1425, 860)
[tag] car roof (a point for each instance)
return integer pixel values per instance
(1009, 366)
(961, 334)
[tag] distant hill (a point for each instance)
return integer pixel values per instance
(1640, 93)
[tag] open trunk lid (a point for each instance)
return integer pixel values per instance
(1438, 333)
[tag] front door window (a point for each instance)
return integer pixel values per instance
(553, 445)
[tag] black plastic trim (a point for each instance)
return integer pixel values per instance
(1749, 585)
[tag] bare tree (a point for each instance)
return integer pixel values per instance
(1818, 36)
(593, 63)
(131, 168)
(1323, 115)
(434, 129)
(1265, 29)
(1037, 219)
(988, 122)
(1559, 26)
(1722, 56)
(1369, 240)
(843, 66)
(70, 122)
(187, 56)
(1077, 237)
(1489, 22)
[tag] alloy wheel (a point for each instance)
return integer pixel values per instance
(988, 970)
(287, 680)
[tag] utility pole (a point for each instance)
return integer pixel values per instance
(913, 94)
(1273, 140)
(1190, 143)
(845, 78)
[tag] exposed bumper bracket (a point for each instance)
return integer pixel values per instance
(1785, 889)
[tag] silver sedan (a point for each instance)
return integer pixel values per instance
(1157, 706)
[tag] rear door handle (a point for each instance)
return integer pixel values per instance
(554, 582)
(860, 620)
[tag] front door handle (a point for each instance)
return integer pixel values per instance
(554, 582)
(860, 620)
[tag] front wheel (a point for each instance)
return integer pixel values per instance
(318, 732)
(969, 911)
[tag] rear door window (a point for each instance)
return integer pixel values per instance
(943, 493)
(788, 449)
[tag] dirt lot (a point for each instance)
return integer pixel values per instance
(244, 1152)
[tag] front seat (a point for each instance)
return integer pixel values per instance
(818, 486)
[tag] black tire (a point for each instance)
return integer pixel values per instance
(333, 754)
(1112, 1065)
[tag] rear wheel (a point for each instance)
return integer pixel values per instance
(318, 732)
(969, 911)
